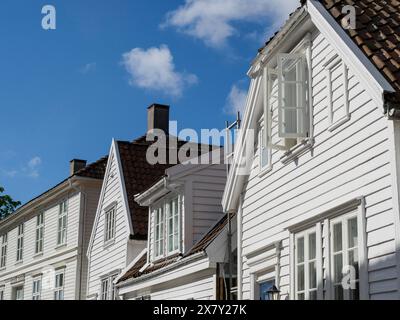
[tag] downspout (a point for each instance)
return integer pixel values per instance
(230, 260)
(81, 235)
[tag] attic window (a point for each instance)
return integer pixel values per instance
(338, 91)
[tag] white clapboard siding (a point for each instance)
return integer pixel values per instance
(350, 162)
(197, 289)
(103, 260)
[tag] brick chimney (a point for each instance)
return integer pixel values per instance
(75, 165)
(158, 117)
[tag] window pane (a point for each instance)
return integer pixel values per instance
(355, 294)
(338, 267)
(338, 292)
(353, 261)
(313, 295)
(312, 275)
(337, 237)
(300, 296)
(312, 243)
(352, 232)
(300, 278)
(300, 249)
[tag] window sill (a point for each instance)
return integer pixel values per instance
(19, 262)
(297, 151)
(38, 255)
(108, 244)
(2, 269)
(264, 171)
(339, 123)
(61, 246)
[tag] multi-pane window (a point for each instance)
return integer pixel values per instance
(39, 233)
(59, 285)
(306, 266)
(2, 289)
(292, 96)
(3, 257)
(36, 288)
(344, 258)
(18, 293)
(107, 288)
(339, 245)
(173, 225)
(109, 225)
(159, 232)
(20, 242)
(62, 223)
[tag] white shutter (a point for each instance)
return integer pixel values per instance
(293, 110)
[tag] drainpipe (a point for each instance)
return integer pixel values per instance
(230, 260)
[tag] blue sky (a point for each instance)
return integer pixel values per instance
(66, 93)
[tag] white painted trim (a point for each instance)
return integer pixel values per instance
(351, 54)
(363, 252)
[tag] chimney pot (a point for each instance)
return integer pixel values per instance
(158, 117)
(75, 165)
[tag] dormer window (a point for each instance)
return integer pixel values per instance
(167, 226)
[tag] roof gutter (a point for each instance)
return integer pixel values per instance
(172, 266)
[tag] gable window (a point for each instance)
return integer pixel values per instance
(173, 225)
(292, 96)
(107, 288)
(39, 233)
(59, 285)
(109, 225)
(306, 265)
(338, 91)
(20, 242)
(326, 259)
(3, 258)
(62, 223)
(37, 288)
(159, 232)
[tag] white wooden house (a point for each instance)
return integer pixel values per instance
(185, 257)
(44, 243)
(318, 209)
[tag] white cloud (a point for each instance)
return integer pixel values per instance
(10, 173)
(154, 69)
(32, 168)
(236, 101)
(88, 68)
(212, 21)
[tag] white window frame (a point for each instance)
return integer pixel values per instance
(171, 233)
(264, 145)
(39, 240)
(18, 289)
(334, 62)
(110, 216)
(59, 288)
(161, 238)
(322, 222)
(107, 288)
(343, 220)
(62, 223)
(306, 263)
(20, 243)
(3, 256)
(37, 288)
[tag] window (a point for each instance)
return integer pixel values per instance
(59, 285)
(37, 288)
(344, 258)
(173, 225)
(338, 91)
(2, 289)
(3, 258)
(20, 242)
(39, 233)
(109, 225)
(292, 96)
(326, 259)
(107, 288)
(159, 232)
(62, 223)
(18, 293)
(306, 266)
